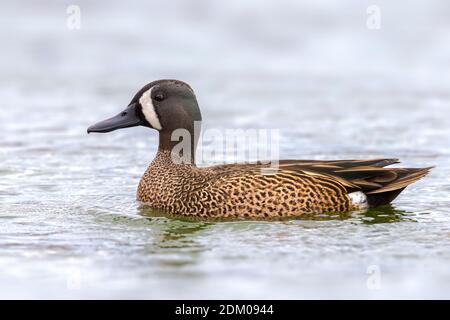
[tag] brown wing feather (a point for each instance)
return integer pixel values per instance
(405, 178)
(369, 179)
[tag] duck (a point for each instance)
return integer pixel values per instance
(175, 185)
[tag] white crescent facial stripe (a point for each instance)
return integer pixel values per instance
(148, 109)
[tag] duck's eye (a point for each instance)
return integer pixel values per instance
(159, 97)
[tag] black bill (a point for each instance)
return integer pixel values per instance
(127, 118)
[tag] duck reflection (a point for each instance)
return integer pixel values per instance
(384, 214)
(176, 230)
(184, 226)
(175, 243)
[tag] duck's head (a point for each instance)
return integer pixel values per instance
(164, 105)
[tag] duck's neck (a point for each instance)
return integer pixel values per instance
(179, 147)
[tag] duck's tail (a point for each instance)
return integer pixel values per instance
(389, 191)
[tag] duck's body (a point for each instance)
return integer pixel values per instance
(295, 188)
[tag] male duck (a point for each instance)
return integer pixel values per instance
(298, 187)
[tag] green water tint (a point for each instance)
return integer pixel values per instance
(381, 214)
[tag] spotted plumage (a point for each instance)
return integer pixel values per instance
(296, 188)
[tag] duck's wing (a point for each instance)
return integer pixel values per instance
(380, 184)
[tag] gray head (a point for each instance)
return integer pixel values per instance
(164, 105)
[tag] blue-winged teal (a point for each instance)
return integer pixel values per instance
(241, 190)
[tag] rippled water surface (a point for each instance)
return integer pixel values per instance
(69, 223)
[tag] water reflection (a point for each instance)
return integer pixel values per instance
(384, 214)
(175, 243)
(175, 230)
(183, 226)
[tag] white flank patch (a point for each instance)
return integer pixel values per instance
(148, 109)
(358, 199)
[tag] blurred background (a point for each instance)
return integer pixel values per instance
(353, 79)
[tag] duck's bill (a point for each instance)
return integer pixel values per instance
(127, 118)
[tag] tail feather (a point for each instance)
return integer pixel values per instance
(389, 192)
(406, 177)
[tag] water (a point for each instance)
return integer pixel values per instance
(70, 226)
